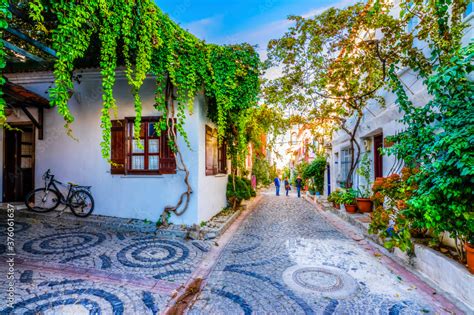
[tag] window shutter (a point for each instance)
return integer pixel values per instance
(167, 158)
(223, 158)
(118, 147)
(209, 152)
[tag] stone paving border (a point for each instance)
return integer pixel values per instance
(211, 259)
(460, 292)
(216, 232)
(104, 222)
(124, 224)
(152, 285)
(438, 301)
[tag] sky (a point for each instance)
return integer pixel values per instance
(236, 21)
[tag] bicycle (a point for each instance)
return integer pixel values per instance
(78, 198)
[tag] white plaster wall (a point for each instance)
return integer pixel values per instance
(385, 119)
(141, 197)
(212, 188)
(378, 119)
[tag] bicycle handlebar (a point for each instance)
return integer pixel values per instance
(47, 174)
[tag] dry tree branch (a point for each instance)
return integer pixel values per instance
(185, 197)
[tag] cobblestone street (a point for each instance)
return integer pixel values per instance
(78, 269)
(285, 258)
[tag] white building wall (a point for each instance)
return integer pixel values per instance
(385, 119)
(212, 188)
(80, 161)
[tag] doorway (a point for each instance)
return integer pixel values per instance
(18, 168)
(378, 158)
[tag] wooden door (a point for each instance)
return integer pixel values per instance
(378, 158)
(18, 170)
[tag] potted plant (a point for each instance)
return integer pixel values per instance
(348, 198)
(469, 242)
(469, 247)
(364, 203)
(335, 198)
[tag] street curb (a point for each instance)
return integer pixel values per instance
(218, 232)
(210, 260)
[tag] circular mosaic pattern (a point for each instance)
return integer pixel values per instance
(327, 281)
(153, 253)
(63, 243)
(19, 227)
(317, 279)
(80, 301)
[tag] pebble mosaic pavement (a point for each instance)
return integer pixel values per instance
(283, 259)
(79, 269)
(286, 259)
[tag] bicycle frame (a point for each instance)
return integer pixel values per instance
(63, 200)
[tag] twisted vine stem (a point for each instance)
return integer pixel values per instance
(137, 34)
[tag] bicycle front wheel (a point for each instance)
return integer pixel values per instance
(42, 200)
(81, 203)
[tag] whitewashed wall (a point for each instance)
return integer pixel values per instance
(212, 188)
(385, 119)
(141, 197)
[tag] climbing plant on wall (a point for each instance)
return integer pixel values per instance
(437, 141)
(331, 68)
(5, 15)
(139, 36)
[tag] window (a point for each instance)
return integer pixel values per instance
(26, 156)
(378, 158)
(148, 155)
(345, 163)
(216, 156)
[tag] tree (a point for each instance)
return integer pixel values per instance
(332, 67)
(138, 35)
(438, 140)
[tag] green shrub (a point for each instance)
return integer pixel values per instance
(286, 172)
(336, 196)
(273, 173)
(243, 190)
(315, 172)
(364, 170)
(299, 170)
(262, 169)
(348, 196)
(248, 183)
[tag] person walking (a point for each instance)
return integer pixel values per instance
(287, 186)
(299, 183)
(277, 185)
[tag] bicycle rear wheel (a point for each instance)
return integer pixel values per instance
(42, 200)
(81, 203)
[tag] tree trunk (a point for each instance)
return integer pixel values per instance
(355, 149)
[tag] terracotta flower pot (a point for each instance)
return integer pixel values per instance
(470, 257)
(364, 204)
(351, 208)
(337, 206)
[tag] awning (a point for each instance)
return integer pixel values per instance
(17, 96)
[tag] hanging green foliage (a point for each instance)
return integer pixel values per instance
(139, 36)
(4, 16)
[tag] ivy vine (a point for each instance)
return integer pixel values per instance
(138, 35)
(4, 16)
